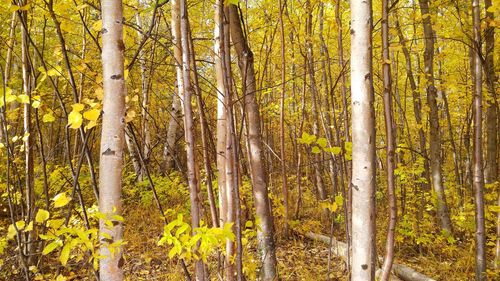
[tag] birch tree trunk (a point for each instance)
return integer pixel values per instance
(189, 132)
(112, 139)
(265, 233)
(28, 141)
(363, 143)
(226, 163)
(146, 135)
(221, 111)
(390, 143)
(176, 110)
(478, 177)
(8, 56)
(435, 135)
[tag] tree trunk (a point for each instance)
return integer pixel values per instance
(363, 143)
(221, 110)
(347, 136)
(478, 177)
(322, 193)
(189, 132)
(265, 233)
(175, 111)
(435, 136)
(282, 120)
(146, 135)
(491, 167)
(417, 104)
(225, 161)
(390, 142)
(134, 158)
(28, 141)
(112, 139)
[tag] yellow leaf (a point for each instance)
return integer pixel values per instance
(75, 119)
(51, 247)
(54, 72)
(81, 7)
(42, 215)
(97, 26)
(99, 93)
(14, 8)
(78, 107)
(61, 200)
(63, 258)
(495, 209)
(55, 224)
(61, 278)
(29, 227)
(48, 117)
(11, 232)
(130, 116)
(23, 98)
(92, 114)
(37, 100)
(26, 137)
(90, 125)
(25, 7)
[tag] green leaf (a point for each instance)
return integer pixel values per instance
(41, 216)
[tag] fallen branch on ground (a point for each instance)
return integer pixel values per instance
(339, 249)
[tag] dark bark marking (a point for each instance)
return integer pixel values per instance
(116, 76)
(107, 240)
(108, 152)
(364, 266)
(121, 45)
(104, 31)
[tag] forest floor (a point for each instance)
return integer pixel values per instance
(298, 257)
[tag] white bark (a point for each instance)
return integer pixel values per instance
(175, 111)
(363, 144)
(112, 137)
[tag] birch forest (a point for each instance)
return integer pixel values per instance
(241, 140)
